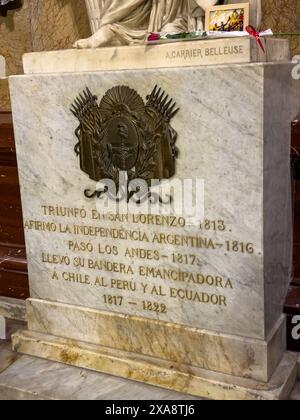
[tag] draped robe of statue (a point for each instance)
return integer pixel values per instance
(126, 22)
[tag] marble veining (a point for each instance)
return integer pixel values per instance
(224, 130)
(35, 379)
(237, 356)
(221, 140)
(199, 382)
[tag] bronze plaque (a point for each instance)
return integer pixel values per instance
(123, 133)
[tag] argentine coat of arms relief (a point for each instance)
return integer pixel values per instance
(122, 133)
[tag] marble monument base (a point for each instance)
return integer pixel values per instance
(196, 362)
(186, 304)
(31, 378)
(244, 357)
(159, 372)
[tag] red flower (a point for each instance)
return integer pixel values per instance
(154, 37)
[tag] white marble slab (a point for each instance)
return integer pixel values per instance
(30, 378)
(2, 328)
(169, 55)
(2, 66)
(33, 379)
(13, 308)
(233, 355)
(187, 379)
(7, 356)
(231, 119)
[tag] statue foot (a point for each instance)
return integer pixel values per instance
(83, 43)
(101, 38)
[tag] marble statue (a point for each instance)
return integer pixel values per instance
(127, 22)
(196, 13)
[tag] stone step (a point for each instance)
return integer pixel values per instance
(28, 378)
(14, 309)
(35, 379)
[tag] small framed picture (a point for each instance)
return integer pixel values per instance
(227, 18)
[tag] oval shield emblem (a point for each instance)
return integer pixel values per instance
(122, 142)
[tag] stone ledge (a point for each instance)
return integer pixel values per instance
(13, 309)
(7, 356)
(180, 54)
(194, 347)
(35, 379)
(198, 382)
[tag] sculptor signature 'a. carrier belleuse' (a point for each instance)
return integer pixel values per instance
(122, 133)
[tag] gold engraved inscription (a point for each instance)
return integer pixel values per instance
(196, 53)
(99, 252)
